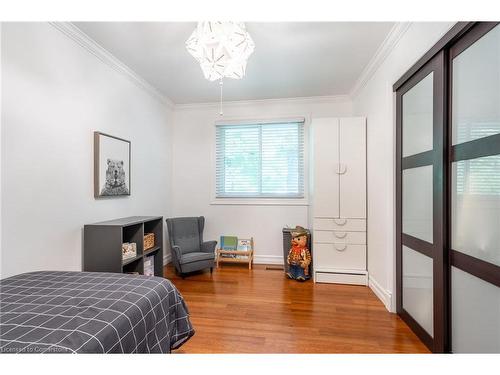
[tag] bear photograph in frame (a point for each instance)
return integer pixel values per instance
(111, 166)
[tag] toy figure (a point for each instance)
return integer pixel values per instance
(299, 257)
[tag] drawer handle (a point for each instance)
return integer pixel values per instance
(342, 249)
(341, 236)
(341, 223)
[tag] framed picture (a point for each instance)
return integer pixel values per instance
(111, 166)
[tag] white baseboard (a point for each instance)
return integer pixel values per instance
(268, 259)
(166, 259)
(258, 259)
(384, 295)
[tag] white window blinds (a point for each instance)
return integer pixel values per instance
(260, 160)
(478, 176)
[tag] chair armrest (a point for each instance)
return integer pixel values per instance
(208, 247)
(177, 250)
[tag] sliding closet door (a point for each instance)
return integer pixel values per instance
(420, 203)
(475, 190)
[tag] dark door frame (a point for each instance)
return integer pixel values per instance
(435, 158)
(440, 58)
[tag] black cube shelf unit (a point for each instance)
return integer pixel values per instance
(102, 244)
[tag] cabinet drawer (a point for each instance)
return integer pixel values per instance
(339, 256)
(340, 278)
(330, 236)
(342, 224)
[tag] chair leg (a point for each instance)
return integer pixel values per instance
(211, 270)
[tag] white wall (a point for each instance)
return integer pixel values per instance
(55, 94)
(375, 100)
(193, 145)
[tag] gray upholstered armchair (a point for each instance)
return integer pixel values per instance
(189, 252)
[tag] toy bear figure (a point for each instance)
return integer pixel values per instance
(299, 256)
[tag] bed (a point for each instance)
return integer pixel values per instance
(90, 312)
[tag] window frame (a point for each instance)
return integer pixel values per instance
(259, 201)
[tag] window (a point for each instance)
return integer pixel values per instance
(477, 176)
(260, 160)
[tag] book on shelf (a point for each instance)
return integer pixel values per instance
(244, 244)
(228, 243)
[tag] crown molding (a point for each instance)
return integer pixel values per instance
(242, 103)
(389, 43)
(89, 44)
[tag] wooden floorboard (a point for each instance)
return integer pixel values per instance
(237, 310)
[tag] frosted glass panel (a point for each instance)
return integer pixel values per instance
(418, 203)
(417, 117)
(476, 89)
(475, 208)
(475, 314)
(417, 288)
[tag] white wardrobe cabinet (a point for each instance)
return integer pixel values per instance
(325, 139)
(338, 199)
(352, 179)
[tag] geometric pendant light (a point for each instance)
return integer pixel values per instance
(221, 48)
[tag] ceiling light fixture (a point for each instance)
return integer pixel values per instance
(222, 50)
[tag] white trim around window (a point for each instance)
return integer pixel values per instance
(261, 200)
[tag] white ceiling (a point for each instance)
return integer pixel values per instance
(291, 59)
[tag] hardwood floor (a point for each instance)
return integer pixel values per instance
(236, 310)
